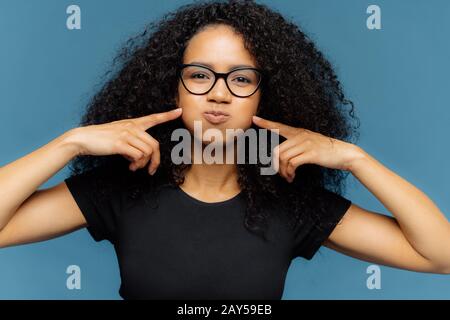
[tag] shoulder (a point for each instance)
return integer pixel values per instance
(322, 210)
(331, 199)
(102, 183)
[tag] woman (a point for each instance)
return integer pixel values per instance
(219, 230)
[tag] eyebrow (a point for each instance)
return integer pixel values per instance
(231, 67)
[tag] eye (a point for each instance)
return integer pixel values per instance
(199, 76)
(242, 80)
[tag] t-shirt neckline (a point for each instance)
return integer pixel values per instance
(203, 203)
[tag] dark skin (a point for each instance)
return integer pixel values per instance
(221, 47)
(417, 237)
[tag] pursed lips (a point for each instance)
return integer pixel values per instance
(216, 117)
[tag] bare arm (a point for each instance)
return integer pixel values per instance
(20, 179)
(31, 215)
(417, 237)
(378, 238)
(46, 214)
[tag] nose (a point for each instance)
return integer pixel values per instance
(220, 92)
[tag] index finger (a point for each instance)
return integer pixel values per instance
(284, 130)
(157, 118)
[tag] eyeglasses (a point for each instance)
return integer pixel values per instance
(199, 80)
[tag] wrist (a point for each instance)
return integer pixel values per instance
(357, 158)
(70, 143)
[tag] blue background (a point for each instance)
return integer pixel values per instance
(396, 76)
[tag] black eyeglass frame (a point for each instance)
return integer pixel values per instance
(218, 75)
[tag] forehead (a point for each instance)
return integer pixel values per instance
(219, 47)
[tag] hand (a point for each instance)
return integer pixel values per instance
(305, 146)
(126, 137)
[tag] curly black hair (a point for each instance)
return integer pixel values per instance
(299, 89)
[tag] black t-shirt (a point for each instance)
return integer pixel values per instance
(185, 248)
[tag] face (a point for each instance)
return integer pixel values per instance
(220, 48)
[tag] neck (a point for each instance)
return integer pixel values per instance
(212, 180)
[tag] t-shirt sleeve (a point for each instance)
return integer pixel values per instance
(308, 236)
(101, 212)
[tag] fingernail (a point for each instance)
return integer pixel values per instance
(256, 118)
(177, 110)
(152, 172)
